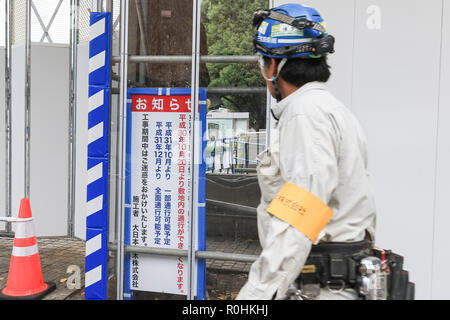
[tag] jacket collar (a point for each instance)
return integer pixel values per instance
(278, 108)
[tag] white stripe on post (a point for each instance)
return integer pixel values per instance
(97, 29)
(93, 276)
(95, 173)
(97, 100)
(97, 62)
(95, 133)
(95, 205)
(94, 244)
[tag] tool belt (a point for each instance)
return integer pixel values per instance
(336, 266)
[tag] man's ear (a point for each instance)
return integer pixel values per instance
(272, 70)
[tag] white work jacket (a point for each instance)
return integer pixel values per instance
(318, 145)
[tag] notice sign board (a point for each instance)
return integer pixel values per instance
(159, 185)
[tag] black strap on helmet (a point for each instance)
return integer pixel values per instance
(301, 23)
(316, 46)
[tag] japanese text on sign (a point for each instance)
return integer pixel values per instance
(160, 185)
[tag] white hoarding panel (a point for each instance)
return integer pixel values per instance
(441, 253)
(49, 135)
(49, 138)
(395, 96)
(395, 86)
(18, 127)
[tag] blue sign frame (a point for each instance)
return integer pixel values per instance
(201, 227)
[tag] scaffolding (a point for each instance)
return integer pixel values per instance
(15, 31)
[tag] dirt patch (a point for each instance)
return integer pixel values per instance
(224, 285)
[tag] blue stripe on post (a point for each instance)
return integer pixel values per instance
(98, 158)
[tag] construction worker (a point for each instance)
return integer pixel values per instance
(317, 208)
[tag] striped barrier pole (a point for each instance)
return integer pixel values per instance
(98, 157)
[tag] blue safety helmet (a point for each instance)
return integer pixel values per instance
(291, 31)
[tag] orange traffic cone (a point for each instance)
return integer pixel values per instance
(25, 279)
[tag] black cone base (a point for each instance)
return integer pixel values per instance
(38, 296)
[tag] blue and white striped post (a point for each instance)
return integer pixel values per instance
(98, 157)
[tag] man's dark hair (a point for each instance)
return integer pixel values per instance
(299, 71)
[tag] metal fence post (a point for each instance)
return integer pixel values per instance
(246, 151)
(213, 154)
(120, 214)
(222, 167)
(27, 99)
(187, 59)
(99, 5)
(237, 141)
(196, 4)
(230, 153)
(268, 103)
(109, 5)
(72, 112)
(268, 118)
(8, 120)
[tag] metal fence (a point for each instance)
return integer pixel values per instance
(234, 155)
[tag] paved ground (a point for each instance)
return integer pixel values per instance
(58, 255)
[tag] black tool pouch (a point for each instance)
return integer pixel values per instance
(336, 266)
(333, 265)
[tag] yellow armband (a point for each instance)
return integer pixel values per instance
(301, 209)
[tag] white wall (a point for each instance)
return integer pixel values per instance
(441, 256)
(49, 138)
(18, 127)
(395, 86)
(400, 114)
(49, 135)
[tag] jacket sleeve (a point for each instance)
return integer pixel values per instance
(309, 150)
(308, 158)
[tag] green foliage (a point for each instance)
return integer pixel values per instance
(229, 31)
